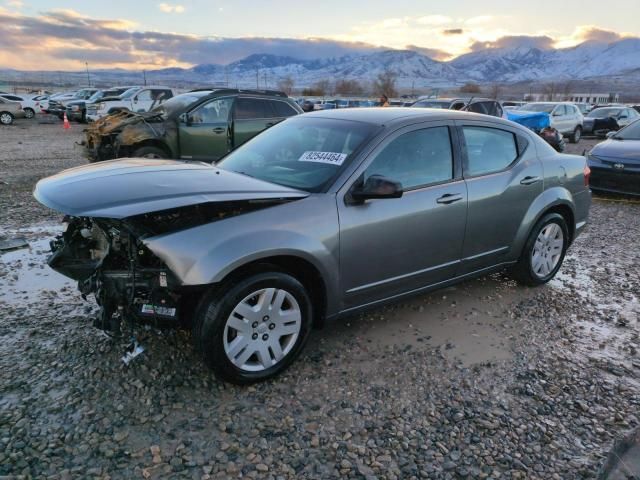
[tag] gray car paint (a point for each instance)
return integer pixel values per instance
(124, 188)
(386, 248)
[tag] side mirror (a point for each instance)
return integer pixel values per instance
(557, 114)
(185, 118)
(377, 186)
(622, 117)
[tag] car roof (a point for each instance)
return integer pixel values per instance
(386, 115)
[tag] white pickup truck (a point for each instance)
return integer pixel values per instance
(136, 99)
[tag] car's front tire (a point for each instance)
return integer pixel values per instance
(576, 135)
(543, 252)
(253, 329)
(6, 118)
(29, 113)
(150, 152)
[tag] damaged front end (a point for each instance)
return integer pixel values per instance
(127, 280)
(114, 135)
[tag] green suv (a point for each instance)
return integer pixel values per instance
(200, 125)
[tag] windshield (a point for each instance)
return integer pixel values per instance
(630, 132)
(538, 107)
(179, 102)
(96, 96)
(129, 93)
(431, 104)
(302, 153)
(604, 112)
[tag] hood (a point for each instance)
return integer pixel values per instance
(624, 151)
(133, 186)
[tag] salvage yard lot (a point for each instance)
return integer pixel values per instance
(483, 380)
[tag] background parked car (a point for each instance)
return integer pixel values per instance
(9, 111)
(58, 104)
(30, 106)
(136, 99)
(200, 125)
(615, 163)
(77, 109)
(605, 119)
(565, 117)
(485, 106)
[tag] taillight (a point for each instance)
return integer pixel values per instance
(587, 174)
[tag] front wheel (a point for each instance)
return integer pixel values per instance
(576, 135)
(252, 330)
(6, 118)
(150, 152)
(544, 251)
(29, 113)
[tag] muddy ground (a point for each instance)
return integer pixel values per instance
(483, 380)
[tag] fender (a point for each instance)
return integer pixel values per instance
(546, 200)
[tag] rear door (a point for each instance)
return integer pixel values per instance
(250, 117)
(393, 246)
(560, 119)
(204, 133)
(503, 176)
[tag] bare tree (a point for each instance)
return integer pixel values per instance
(318, 89)
(494, 91)
(348, 87)
(286, 84)
(385, 84)
(550, 90)
(470, 88)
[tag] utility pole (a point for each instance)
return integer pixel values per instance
(265, 81)
(144, 75)
(257, 79)
(88, 76)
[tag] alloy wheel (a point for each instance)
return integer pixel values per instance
(547, 250)
(262, 329)
(5, 119)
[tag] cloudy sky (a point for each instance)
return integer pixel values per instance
(136, 34)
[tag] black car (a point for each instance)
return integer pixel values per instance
(58, 107)
(77, 109)
(615, 163)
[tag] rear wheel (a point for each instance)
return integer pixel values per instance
(252, 330)
(544, 251)
(576, 135)
(6, 118)
(150, 152)
(29, 113)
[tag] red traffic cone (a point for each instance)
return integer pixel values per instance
(65, 122)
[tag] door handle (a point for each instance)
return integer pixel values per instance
(219, 130)
(529, 180)
(449, 198)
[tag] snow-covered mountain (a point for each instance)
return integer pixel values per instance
(413, 69)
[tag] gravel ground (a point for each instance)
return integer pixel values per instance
(483, 380)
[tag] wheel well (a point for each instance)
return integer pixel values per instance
(29, 108)
(567, 214)
(304, 271)
(151, 142)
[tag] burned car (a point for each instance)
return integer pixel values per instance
(200, 125)
(320, 216)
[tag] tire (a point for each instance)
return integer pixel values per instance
(576, 135)
(538, 271)
(6, 118)
(29, 113)
(253, 357)
(150, 152)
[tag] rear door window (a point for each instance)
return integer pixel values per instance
(489, 150)
(252, 108)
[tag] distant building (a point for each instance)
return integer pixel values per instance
(594, 98)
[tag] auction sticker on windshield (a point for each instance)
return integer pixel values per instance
(332, 158)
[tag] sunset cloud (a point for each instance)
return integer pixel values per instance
(167, 8)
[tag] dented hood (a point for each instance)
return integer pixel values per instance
(132, 186)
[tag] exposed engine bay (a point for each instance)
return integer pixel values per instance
(109, 259)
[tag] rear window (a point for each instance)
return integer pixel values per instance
(283, 109)
(251, 108)
(489, 150)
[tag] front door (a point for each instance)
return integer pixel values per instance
(205, 132)
(394, 246)
(503, 176)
